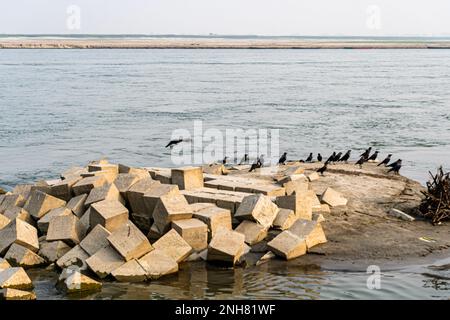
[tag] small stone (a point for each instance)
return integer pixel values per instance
(214, 217)
(106, 192)
(301, 203)
(66, 228)
(96, 239)
(174, 246)
(15, 278)
(136, 194)
(157, 264)
(14, 294)
(104, 261)
(131, 271)
(285, 218)
(85, 185)
(76, 257)
(20, 232)
(333, 198)
(41, 203)
(73, 281)
(20, 256)
(11, 200)
(130, 242)
(401, 215)
(20, 213)
(253, 232)
(53, 251)
(170, 208)
(188, 178)
(193, 231)
(110, 214)
(287, 245)
(77, 204)
(63, 189)
(310, 231)
(226, 247)
(44, 222)
(259, 208)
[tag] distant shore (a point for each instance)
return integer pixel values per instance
(215, 43)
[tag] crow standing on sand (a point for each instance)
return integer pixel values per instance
(257, 164)
(337, 158)
(283, 159)
(331, 158)
(244, 159)
(174, 142)
(224, 161)
(346, 156)
(385, 161)
(310, 157)
(323, 169)
(374, 156)
(360, 162)
(366, 153)
(396, 166)
(393, 164)
(319, 157)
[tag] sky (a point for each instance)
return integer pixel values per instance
(232, 17)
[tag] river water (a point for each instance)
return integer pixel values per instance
(65, 107)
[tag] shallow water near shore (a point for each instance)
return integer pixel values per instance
(60, 108)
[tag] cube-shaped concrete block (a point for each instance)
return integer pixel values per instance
(63, 189)
(77, 205)
(311, 231)
(53, 251)
(20, 232)
(124, 182)
(301, 203)
(193, 231)
(4, 264)
(73, 281)
(23, 189)
(104, 261)
(136, 193)
(11, 200)
(174, 246)
(296, 186)
(130, 271)
(253, 232)
(75, 257)
(66, 228)
(20, 256)
(333, 198)
(259, 208)
(285, 218)
(44, 222)
(39, 204)
(226, 247)
(15, 278)
(4, 221)
(153, 195)
(96, 239)
(129, 242)
(287, 245)
(85, 185)
(170, 208)
(108, 191)
(215, 218)
(157, 264)
(20, 213)
(188, 178)
(110, 214)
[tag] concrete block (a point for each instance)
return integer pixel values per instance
(110, 214)
(157, 264)
(86, 184)
(44, 222)
(104, 261)
(296, 186)
(4, 221)
(20, 256)
(259, 208)
(214, 168)
(301, 203)
(154, 194)
(96, 239)
(193, 231)
(39, 204)
(253, 232)
(20, 232)
(53, 251)
(170, 208)
(333, 198)
(142, 221)
(173, 245)
(15, 278)
(310, 231)
(73, 172)
(75, 257)
(313, 176)
(124, 182)
(77, 205)
(136, 194)
(106, 192)
(14, 294)
(287, 245)
(226, 247)
(318, 217)
(4, 264)
(11, 200)
(66, 228)
(19, 213)
(285, 218)
(195, 207)
(130, 271)
(214, 217)
(188, 178)
(23, 189)
(130, 242)
(73, 281)
(154, 233)
(63, 189)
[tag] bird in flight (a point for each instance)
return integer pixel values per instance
(174, 142)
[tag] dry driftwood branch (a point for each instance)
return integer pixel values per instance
(436, 205)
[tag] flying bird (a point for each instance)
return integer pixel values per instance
(346, 156)
(385, 161)
(283, 158)
(396, 166)
(310, 157)
(174, 142)
(374, 156)
(319, 157)
(323, 169)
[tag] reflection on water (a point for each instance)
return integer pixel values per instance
(273, 280)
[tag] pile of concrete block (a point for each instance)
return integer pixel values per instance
(138, 224)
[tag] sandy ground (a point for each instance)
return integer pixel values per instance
(215, 44)
(362, 233)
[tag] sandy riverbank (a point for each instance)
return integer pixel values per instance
(183, 43)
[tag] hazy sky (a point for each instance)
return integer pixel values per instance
(264, 17)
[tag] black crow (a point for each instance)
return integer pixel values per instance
(385, 161)
(283, 158)
(224, 161)
(393, 164)
(319, 157)
(310, 157)
(396, 166)
(174, 142)
(337, 157)
(360, 161)
(244, 159)
(346, 156)
(323, 169)
(374, 156)
(255, 165)
(331, 158)
(366, 153)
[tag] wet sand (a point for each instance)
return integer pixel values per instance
(214, 43)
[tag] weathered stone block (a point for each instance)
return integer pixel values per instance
(287, 245)
(157, 264)
(154, 194)
(63, 189)
(310, 231)
(170, 208)
(4, 221)
(39, 204)
(131, 271)
(20, 232)
(14, 294)
(85, 185)
(301, 203)
(259, 208)
(174, 246)
(154, 233)
(124, 182)
(23, 189)
(110, 214)
(15, 278)
(214, 218)
(44, 222)
(104, 261)
(226, 247)
(285, 218)
(66, 228)
(318, 217)
(193, 231)
(77, 205)
(188, 178)
(333, 198)
(96, 239)
(76, 257)
(200, 206)
(324, 209)
(20, 213)
(296, 186)
(20, 256)
(313, 176)
(53, 251)
(136, 194)
(73, 172)
(72, 281)
(214, 168)
(4, 264)
(130, 242)
(253, 232)
(106, 192)
(11, 200)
